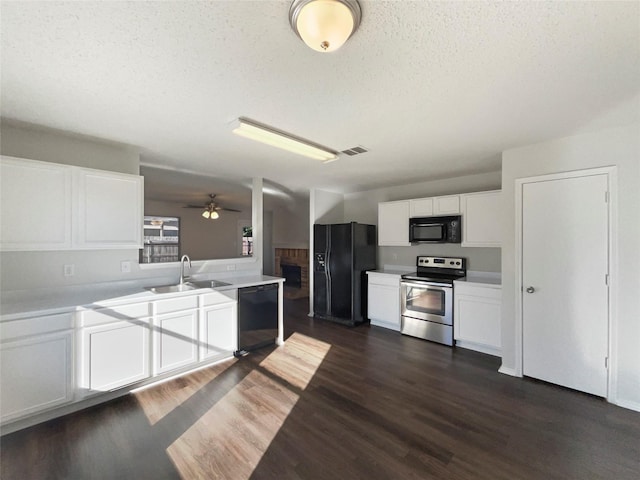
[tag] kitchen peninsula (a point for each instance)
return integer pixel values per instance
(73, 347)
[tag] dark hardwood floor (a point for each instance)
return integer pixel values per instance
(338, 402)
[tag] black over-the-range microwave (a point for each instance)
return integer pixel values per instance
(435, 229)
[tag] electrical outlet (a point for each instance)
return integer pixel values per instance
(69, 270)
(394, 256)
(231, 267)
(125, 266)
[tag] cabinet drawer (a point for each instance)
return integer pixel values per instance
(176, 304)
(217, 298)
(112, 314)
(384, 279)
(35, 326)
(478, 291)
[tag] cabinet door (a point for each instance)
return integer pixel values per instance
(36, 375)
(393, 223)
(449, 205)
(176, 341)
(421, 207)
(482, 220)
(384, 305)
(114, 355)
(477, 319)
(35, 205)
(109, 210)
(219, 330)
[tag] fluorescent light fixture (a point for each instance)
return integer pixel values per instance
(286, 141)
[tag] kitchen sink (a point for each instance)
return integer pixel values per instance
(209, 283)
(185, 287)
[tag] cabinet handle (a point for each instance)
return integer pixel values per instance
(530, 289)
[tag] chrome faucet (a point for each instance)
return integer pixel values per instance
(182, 260)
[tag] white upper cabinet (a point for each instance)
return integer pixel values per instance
(482, 219)
(47, 206)
(393, 223)
(449, 205)
(434, 206)
(110, 210)
(421, 207)
(35, 205)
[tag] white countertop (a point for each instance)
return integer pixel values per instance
(18, 303)
(486, 279)
(385, 271)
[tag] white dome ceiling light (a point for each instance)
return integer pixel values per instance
(325, 25)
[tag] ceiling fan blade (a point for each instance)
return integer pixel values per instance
(201, 207)
(228, 209)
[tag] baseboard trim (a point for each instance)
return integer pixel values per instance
(630, 404)
(496, 352)
(508, 371)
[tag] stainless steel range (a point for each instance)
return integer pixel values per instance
(427, 298)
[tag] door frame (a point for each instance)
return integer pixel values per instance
(612, 249)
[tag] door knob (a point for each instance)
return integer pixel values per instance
(530, 289)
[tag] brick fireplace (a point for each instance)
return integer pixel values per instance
(293, 264)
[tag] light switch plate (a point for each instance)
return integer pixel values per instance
(125, 266)
(69, 270)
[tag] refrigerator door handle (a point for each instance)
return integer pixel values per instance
(328, 277)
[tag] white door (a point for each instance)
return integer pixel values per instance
(565, 295)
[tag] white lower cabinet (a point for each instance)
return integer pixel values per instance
(218, 330)
(37, 374)
(48, 361)
(477, 313)
(114, 355)
(175, 341)
(383, 300)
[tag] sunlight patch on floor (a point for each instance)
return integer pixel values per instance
(229, 440)
(160, 400)
(297, 360)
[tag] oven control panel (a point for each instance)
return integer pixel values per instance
(440, 262)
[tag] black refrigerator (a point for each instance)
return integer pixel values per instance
(342, 253)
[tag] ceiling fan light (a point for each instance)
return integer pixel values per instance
(324, 25)
(214, 215)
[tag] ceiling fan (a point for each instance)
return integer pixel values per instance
(211, 208)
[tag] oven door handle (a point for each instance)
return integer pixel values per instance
(427, 285)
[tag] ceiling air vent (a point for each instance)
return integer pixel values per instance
(354, 151)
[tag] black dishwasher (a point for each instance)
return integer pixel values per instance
(257, 317)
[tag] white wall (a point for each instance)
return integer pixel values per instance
(48, 145)
(616, 146)
(267, 248)
(326, 207)
(363, 207)
(291, 224)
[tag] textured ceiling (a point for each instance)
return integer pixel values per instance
(432, 89)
